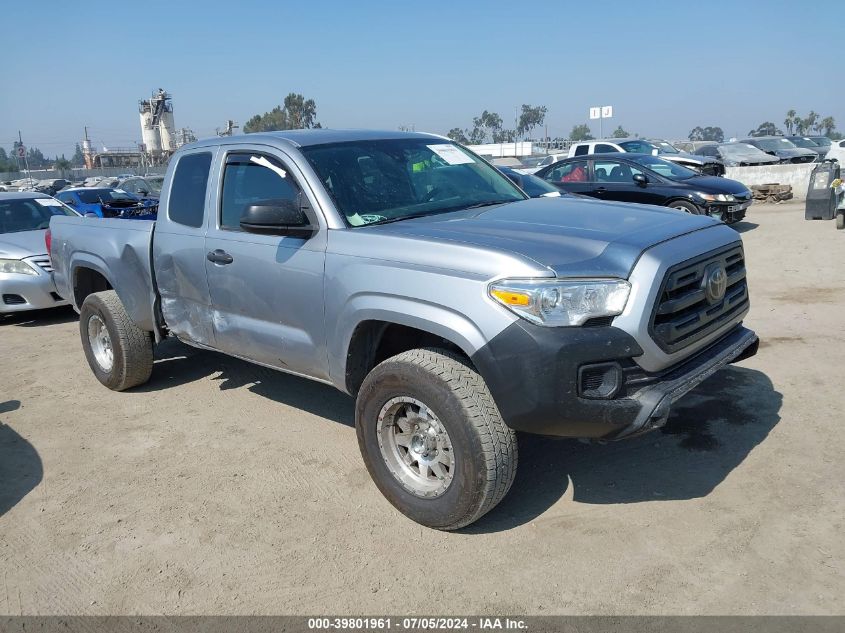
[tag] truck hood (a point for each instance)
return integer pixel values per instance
(22, 244)
(573, 237)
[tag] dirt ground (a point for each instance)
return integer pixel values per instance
(224, 488)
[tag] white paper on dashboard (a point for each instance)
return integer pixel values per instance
(450, 154)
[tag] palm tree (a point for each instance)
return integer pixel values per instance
(828, 125)
(789, 121)
(810, 122)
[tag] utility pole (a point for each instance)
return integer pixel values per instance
(25, 159)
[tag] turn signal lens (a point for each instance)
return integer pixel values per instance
(510, 298)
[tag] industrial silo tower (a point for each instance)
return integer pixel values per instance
(157, 127)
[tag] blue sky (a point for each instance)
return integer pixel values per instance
(664, 66)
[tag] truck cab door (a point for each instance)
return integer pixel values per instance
(266, 290)
(179, 249)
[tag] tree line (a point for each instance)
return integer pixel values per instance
(36, 160)
(793, 125)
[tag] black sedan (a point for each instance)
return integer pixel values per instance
(647, 179)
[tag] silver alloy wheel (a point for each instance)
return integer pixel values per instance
(415, 447)
(680, 208)
(100, 341)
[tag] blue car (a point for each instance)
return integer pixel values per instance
(106, 202)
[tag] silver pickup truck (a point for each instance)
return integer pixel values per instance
(407, 272)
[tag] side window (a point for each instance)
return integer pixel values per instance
(186, 204)
(615, 171)
(582, 150)
(249, 178)
(604, 148)
(576, 171)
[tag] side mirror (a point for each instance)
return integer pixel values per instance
(277, 217)
(641, 180)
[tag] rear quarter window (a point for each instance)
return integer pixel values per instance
(186, 204)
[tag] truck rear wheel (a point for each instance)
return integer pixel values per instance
(433, 440)
(119, 353)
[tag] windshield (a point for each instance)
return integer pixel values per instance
(29, 214)
(390, 180)
(97, 196)
(666, 148)
(666, 169)
(800, 141)
(774, 144)
(739, 149)
(532, 161)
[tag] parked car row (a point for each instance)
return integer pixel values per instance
(657, 147)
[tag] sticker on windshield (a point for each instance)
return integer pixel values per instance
(48, 202)
(450, 154)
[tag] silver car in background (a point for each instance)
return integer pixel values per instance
(26, 280)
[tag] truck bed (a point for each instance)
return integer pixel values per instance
(116, 249)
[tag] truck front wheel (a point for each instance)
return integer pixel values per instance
(433, 440)
(119, 353)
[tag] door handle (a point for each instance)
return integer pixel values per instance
(219, 256)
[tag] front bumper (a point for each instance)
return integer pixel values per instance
(728, 212)
(36, 291)
(535, 376)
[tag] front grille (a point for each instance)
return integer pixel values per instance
(44, 263)
(684, 314)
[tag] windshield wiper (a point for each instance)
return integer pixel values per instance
(461, 207)
(400, 218)
(488, 203)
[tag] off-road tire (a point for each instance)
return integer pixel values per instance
(682, 205)
(132, 347)
(484, 448)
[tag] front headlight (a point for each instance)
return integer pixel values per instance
(718, 197)
(16, 266)
(556, 302)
